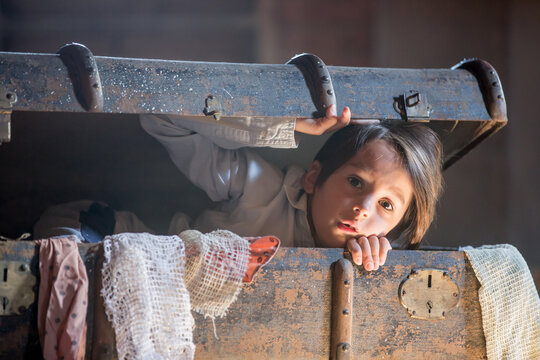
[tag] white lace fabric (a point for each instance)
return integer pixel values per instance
(509, 302)
(145, 293)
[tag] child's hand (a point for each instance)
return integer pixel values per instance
(330, 122)
(370, 251)
(326, 124)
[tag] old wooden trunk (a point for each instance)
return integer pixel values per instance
(70, 132)
(286, 311)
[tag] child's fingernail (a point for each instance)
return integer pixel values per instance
(358, 261)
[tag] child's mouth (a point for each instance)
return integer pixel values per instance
(346, 228)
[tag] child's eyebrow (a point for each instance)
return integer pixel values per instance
(398, 193)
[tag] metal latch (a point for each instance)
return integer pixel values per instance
(429, 294)
(212, 107)
(413, 106)
(7, 99)
(17, 287)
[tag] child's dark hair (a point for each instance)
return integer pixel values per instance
(421, 154)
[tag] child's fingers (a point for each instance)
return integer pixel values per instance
(383, 249)
(345, 116)
(374, 245)
(341, 121)
(356, 251)
(331, 111)
(366, 253)
(314, 126)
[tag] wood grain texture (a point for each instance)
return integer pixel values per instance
(286, 312)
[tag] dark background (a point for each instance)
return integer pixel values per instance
(491, 196)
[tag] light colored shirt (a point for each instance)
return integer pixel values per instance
(254, 197)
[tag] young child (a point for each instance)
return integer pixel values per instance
(366, 181)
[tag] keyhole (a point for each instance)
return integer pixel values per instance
(4, 303)
(429, 306)
(5, 274)
(429, 281)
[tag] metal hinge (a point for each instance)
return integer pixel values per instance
(342, 310)
(17, 287)
(7, 99)
(413, 106)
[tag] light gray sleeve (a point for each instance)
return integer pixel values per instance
(209, 154)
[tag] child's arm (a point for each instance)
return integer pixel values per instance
(208, 154)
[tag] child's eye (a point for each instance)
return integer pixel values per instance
(354, 181)
(387, 205)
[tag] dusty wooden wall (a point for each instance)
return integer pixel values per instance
(491, 195)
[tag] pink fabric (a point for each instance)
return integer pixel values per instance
(63, 299)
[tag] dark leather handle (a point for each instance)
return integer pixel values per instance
(490, 85)
(317, 79)
(84, 75)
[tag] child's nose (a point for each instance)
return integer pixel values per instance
(361, 212)
(362, 207)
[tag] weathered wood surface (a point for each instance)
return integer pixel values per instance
(134, 86)
(285, 312)
(137, 86)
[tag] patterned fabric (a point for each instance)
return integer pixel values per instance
(62, 300)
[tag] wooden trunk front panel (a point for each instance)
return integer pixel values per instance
(286, 312)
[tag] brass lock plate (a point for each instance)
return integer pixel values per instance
(17, 284)
(429, 293)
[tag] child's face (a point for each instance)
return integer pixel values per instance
(368, 195)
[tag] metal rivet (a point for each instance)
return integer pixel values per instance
(347, 282)
(329, 92)
(345, 347)
(324, 78)
(494, 84)
(23, 267)
(455, 294)
(22, 309)
(345, 312)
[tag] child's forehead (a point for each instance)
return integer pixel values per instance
(375, 151)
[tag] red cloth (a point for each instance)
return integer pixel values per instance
(62, 300)
(261, 252)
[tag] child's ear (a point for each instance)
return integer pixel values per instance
(310, 178)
